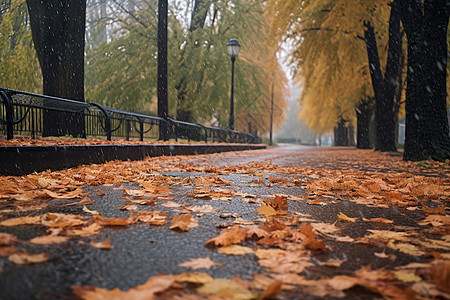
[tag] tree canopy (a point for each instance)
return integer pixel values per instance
(121, 69)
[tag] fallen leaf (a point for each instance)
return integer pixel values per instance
(235, 250)
(49, 239)
(200, 263)
(27, 220)
(92, 212)
(266, 210)
(141, 202)
(128, 207)
(183, 222)
(152, 286)
(194, 277)
(273, 290)
(407, 276)
(232, 236)
(344, 217)
(7, 239)
(25, 258)
(105, 245)
(227, 289)
(157, 218)
(115, 222)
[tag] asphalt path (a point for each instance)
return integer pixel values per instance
(141, 251)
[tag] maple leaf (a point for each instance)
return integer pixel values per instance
(266, 210)
(183, 222)
(25, 258)
(232, 236)
(200, 263)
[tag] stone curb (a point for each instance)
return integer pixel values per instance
(21, 160)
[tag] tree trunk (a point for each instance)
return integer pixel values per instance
(427, 130)
(363, 114)
(341, 134)
(58, 29)
(198, 18)
(384, 86)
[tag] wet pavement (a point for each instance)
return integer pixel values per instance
(140, 250)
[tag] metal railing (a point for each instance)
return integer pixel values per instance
(24, 114)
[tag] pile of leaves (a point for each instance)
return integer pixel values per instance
(51, 141)
(410, 255)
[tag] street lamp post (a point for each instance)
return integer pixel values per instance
(233, 49)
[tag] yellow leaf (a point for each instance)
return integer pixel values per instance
(193, 277)
(28, 258)
(266, 210)
(407, 276)
(226, 288)
(235, 250)
(92, 212)
(346, 218)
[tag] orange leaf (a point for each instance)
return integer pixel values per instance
(200, 263)
(266, 210)
(7, 239)
(182, 222)
(49, 239)
(232, 236)
(105, 245)
(28, 258)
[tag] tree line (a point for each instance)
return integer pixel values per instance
(106, 51)
(352, 59)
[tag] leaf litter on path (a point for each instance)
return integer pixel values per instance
(293, 239)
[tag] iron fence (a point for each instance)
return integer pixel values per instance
(24, 114)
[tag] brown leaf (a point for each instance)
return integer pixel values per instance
(273, 290)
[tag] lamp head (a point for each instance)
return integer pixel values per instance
(233, 47)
